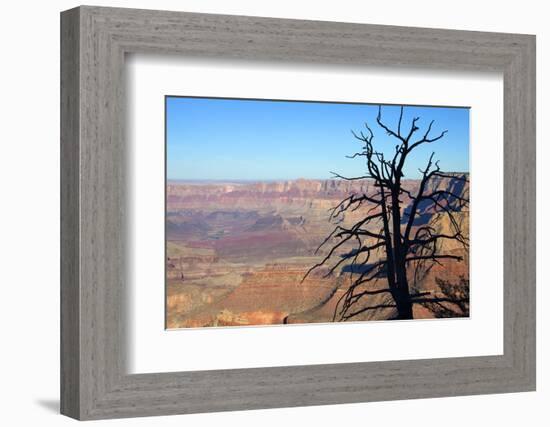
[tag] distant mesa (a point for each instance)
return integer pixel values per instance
(238, 251)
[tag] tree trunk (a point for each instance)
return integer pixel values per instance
(404, 305)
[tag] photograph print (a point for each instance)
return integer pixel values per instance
(291, 212)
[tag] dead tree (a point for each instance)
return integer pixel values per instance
(387, 241)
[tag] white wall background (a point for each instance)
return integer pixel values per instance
(29, 212)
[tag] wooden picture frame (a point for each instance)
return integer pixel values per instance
(94, 382)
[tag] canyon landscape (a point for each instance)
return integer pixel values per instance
(238, 252)
(260, 230)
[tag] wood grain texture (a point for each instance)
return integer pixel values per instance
(70, 263)
(94, 382)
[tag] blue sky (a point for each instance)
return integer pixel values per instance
(231, 139)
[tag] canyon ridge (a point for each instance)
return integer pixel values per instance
(237, 252)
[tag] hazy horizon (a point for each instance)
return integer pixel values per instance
(252, 180)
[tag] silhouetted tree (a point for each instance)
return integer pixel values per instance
(388, 233)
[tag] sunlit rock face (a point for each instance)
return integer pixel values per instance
(237, 252)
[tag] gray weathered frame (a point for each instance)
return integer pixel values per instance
(94, 41)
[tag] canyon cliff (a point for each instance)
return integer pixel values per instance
(237, 252)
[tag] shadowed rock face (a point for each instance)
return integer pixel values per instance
(237, 252)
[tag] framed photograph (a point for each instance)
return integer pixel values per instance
(257, 236)
(262, 213)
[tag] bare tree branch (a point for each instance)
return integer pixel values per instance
(385, 228)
